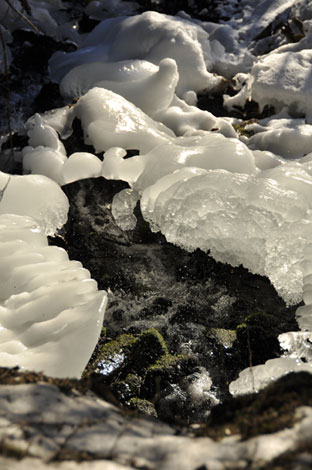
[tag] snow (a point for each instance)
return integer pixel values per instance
(283, 79)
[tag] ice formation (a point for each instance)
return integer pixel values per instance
(35, 196)
(283, 79)
(150, 36)
(51, 312)
(243, 199)
(46, 155)
(109, 120)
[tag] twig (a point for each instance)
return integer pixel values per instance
(7, 92)
(250, 359)
(23, 16)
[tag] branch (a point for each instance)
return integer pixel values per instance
(22, 15)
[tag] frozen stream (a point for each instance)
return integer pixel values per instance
(241, 190)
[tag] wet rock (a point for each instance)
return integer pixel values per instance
(43, 428)
(186, 297)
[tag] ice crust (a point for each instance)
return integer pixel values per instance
(51, 312)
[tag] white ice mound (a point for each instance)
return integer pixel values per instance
(290, 138)
(210, 151)
(35, 196)
(81, 78)
(152, 93)
(46, 154)
(254, 379)
(150, 36)
(51, 312)
(109, 120)
(261, 221)
(283, 79)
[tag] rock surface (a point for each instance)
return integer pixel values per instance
(42, 427)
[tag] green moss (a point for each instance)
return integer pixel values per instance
(142, 405)
(138, 367)
(225, 337)
(258, 319)
(241, 127)
(166, 370)
(111, 353)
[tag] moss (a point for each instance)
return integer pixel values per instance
(110, 354)
(130, 368)
(224, 336)
(241, 127)
(142, 405)
(167, 370)
(149, 347)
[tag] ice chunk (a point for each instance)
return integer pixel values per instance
(51, 312)
(297, 344)
(83, 77)
(265, 160)
(109, 120)
(255, 378)
(288, 138)
(186, 119)
(36, 196)
(44, 161)
(123, 205)
(42, 134)
(240, 218)
(81, 165)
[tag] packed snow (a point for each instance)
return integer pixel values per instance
(244, 198)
